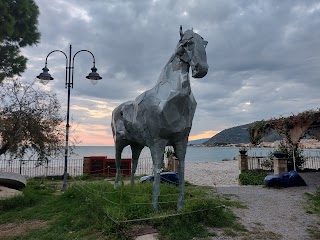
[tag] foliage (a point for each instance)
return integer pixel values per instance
(29, 120)
(243, 150)
(90, 210)
(288, 151)
(257, 131)
(268, 163)
(18, 21)
(252, 177)
(282, 125)
(169, 152)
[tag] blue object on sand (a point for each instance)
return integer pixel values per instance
(290, 179)
(165, 177)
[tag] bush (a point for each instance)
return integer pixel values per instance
(255, 177)
(298, 153)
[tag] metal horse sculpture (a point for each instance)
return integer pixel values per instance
(163, 115)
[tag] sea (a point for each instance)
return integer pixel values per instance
(194, 154)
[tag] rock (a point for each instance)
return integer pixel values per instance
(148, 237)
(12, 180)
(8, 193)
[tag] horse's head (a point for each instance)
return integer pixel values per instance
(191, 49)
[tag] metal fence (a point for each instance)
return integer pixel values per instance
(34, 168)
(260, 163)
(265, 163)
(312, 163)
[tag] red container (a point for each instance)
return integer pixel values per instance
(97, 165)
(104, 166)
(125, 167)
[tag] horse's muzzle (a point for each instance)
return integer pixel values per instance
(200, 70)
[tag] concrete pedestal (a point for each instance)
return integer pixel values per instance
(280, 165)
(243, 162)
(173, 164)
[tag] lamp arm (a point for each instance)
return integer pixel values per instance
(63, 54)
(94, 61)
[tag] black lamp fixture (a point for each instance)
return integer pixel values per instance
(45, 77)
(94, 76)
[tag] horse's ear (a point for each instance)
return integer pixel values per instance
(181, 33)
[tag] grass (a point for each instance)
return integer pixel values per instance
(94, 210)
(252, 177)
(314, 202)
(313, 207)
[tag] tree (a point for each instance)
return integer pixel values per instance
(19, 22)
(30, 123)
(292, 128)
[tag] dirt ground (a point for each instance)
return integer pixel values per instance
(8, 192)
(17, 229)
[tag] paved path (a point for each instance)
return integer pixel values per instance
(276, 213)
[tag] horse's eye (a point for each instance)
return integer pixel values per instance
(190, 46)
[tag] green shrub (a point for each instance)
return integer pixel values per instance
(254, 177)
(298, 153)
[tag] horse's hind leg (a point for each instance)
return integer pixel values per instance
(119, 148)
(157, 153)
(136, 150)
(180, 149)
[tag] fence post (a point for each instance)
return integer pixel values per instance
(280, 165)
(243, 162)
(20, 170)
(173, 163)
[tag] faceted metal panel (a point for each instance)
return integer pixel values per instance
(163, 115)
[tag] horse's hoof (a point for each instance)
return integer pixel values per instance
(116, 185)
(180, 206)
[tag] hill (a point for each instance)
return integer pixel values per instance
(198, 141)
(236, 135)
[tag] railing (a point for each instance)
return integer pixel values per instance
(312, 163)
(264, 163)
(259, 163)
(33, 168)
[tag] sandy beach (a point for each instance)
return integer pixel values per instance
(222, 173)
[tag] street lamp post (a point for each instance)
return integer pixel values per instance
(45, 77)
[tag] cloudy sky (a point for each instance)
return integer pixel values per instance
(263, 56)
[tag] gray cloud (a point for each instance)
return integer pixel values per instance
(263, 55)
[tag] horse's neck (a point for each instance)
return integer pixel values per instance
(176, 73)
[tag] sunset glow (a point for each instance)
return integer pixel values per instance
(92, 135)
(205, 134)
(100, 135)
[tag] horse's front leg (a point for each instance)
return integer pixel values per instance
(157, 153)
(136, 150)
(119, 149)
(180, 152)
